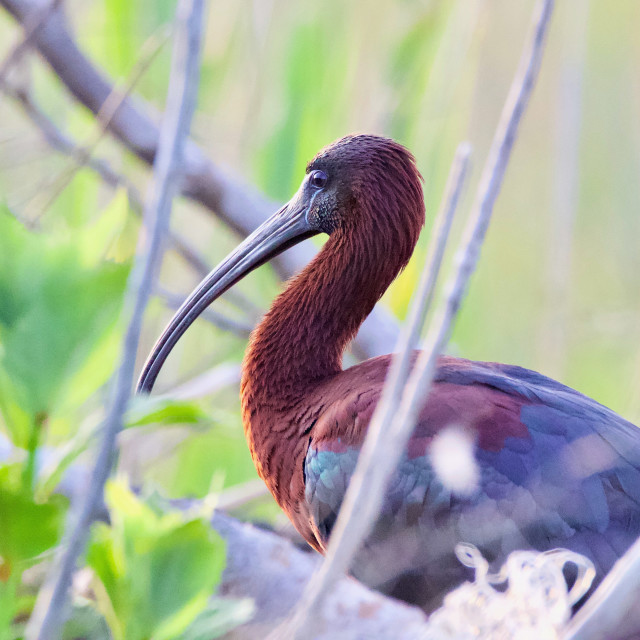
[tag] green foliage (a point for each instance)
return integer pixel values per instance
(28, 529)
(158, 570)
(160, 410)
(58, 302)
(61, 292)
(143, 411)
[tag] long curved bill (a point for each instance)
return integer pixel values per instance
(286, 227)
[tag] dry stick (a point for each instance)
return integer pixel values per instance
(48, 613)
(383, 446)
(614, 602)
(238, 204)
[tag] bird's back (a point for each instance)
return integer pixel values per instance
(548, 468)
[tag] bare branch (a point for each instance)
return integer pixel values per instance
(239, 205)
(393, 421)
(48, 612)
(272, 572)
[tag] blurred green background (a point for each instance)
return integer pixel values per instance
(558, 286)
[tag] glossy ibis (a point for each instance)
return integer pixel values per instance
(556, 469)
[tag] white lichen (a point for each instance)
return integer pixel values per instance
(534, 602)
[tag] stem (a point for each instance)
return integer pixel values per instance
(29, 471)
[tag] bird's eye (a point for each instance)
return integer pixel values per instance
(318, 179)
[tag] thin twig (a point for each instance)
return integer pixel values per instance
(108, 110)
(217, 319)
(61, 142)
(238, 204)
(239, 495)
(386, 438)
(48, 612)
(31, 27)
(207, 383)
(612, 611)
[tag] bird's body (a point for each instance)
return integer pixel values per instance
(555, 468)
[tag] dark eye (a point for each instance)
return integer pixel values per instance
(318, 179)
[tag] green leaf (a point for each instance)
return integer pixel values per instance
(220, 451)
(58, 301)
(8, 604)
(27, 528)
(163, 410)
(158, 570)
(86, 623)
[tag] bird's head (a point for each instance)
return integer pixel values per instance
(363, 190)
(361, 183)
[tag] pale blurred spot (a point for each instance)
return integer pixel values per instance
(453, 459)
(588, 455)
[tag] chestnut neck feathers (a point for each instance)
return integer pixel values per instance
(378, 215)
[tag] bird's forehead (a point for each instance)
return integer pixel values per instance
(351, 152)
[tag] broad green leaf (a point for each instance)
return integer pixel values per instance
(27, 528)
(57, 303)
(163, 410)
(220, 451)
(158, 570)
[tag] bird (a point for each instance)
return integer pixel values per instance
(554, 467)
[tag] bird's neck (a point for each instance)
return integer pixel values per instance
(301, 340)
(298, 345)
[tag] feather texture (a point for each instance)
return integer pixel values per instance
(556, 470)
